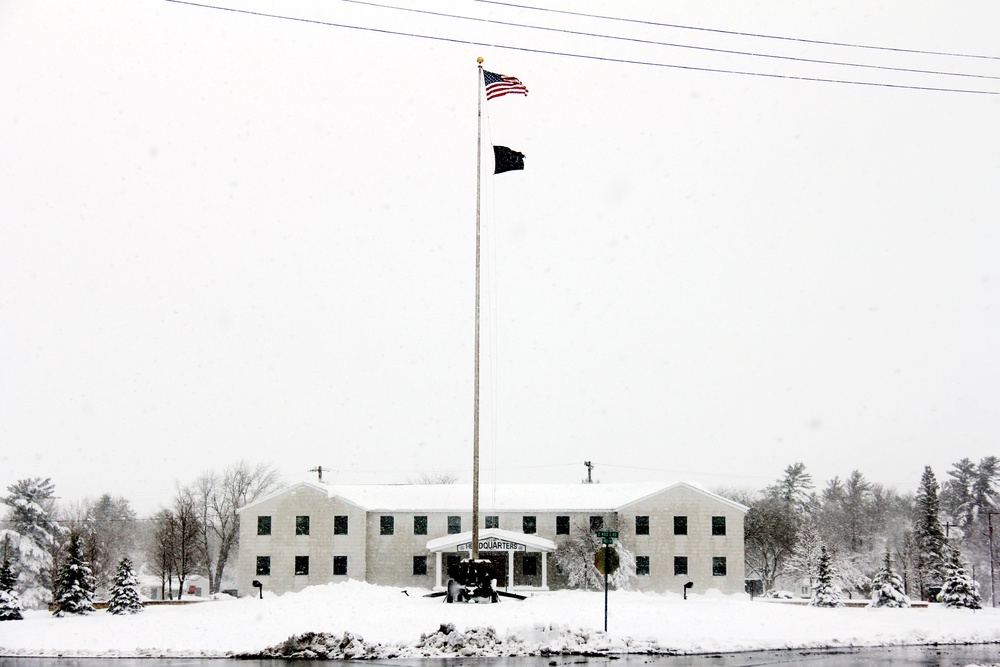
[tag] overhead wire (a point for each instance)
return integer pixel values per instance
(736, 32)
(651, 42)
(565, 54)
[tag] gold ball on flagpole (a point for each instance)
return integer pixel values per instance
(479, 60)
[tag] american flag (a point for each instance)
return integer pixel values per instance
(500, 84)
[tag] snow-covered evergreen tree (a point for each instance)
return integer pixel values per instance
(75, 586)
(10, 605)
(826, 593)
(124, 592)
(34, 534)
(887, 586)
(929, 535)
(959, 590)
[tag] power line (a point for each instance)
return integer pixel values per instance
(672, 44)
(625, 61)
(738, 33)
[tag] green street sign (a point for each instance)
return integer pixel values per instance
(607, 533)
(607, 540)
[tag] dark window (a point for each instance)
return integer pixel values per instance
(387, 525)
(419, 565)
(718, 525)
(302, 565)
(529, 566)
(263, 525)
(340, 524)
(562, 525)
(340, 565)
(528, 525)
(301, 525)
(680, 565)
(451, 565)
(492, 522)
(596, 523)
(454, 525)
(718, 566)
(263, 565)
(419, 525)
(642, 525)
(642, 565)
(680, 525)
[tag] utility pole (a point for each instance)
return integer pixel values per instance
(590, 467)
(993, 596)
(319, 472)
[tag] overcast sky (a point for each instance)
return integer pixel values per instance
(226, 235)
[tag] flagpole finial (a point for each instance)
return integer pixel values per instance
(479, 60)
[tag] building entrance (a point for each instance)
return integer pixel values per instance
(499, 561)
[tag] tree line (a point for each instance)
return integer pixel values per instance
(941, 529)
(196, 533)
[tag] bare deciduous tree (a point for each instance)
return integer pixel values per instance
(218, 498)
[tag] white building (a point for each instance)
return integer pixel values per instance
(410, 535)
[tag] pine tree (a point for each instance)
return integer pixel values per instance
(825, 592)
(75, 587)
(929, 535)
(124, 595)
(10, 605)
(31, 504)
(959, 590)
(887, 586)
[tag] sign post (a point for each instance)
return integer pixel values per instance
(607, 564)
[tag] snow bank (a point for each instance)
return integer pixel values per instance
(358, 619)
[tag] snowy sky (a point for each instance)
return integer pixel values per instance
(225, 235)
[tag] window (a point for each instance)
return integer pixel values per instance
(454, 525)
(419, 565)
(264, 565)
(680, 525)
(492, 522)
(680, 565)
(263, 525)
(596, 523)
(301, 525)
(529, 566)
(718, 566)
(642, 525)
(340, 565)
(451, 564)
(340, 524)
(562, 525)
(718, 525)
(419, 525)
(302, 565)
(528, 525)
(642, 566)
(386, 525)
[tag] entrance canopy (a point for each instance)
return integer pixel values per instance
(492, 539)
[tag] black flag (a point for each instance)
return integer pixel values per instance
(506, 160)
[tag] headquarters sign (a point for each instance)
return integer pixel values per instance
(492, 544)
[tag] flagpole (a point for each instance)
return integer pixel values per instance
(475, 418)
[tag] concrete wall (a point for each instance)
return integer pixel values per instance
(699, 545)
(283, 545)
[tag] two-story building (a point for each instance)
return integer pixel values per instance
(410, 535)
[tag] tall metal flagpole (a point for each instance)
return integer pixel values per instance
(475, 418)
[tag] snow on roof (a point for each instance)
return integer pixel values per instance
(499, 497)
(451, 541)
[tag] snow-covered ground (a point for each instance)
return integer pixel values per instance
(392, 624)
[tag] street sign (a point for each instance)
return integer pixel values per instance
(607, 540)
(607, 533)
